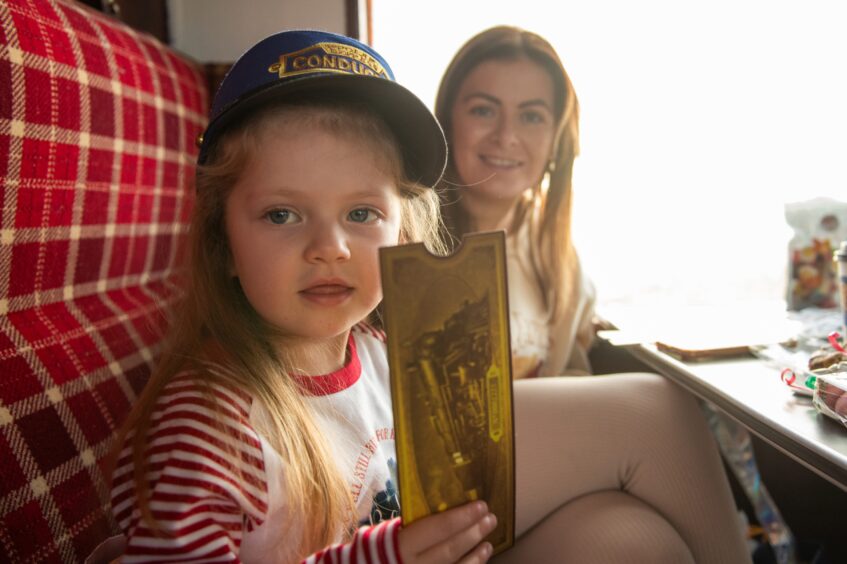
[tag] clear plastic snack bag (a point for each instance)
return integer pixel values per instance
(819, 226)
(830, 397)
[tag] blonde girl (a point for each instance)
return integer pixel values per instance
(265, 432)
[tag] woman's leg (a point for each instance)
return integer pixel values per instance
(609, 526)
(634, 433)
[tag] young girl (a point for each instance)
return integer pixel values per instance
(265, 433)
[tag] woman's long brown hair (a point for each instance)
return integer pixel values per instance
(547, 206)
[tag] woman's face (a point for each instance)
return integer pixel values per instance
(503, 125)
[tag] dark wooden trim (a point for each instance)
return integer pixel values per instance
(150, 16)
(215, 73)
(354, 26)
(351, 15)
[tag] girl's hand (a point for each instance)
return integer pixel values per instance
(454, 535)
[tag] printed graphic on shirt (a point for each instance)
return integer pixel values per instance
(386, 503)
(367, 478)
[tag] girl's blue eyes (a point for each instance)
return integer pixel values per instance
(281, 217)
(363, 215)
(284, 216)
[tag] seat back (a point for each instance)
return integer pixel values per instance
(97, 146)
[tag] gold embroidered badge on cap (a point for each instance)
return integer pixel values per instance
(328, 57)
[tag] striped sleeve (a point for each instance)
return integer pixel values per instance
(202, 495)
(375, 544)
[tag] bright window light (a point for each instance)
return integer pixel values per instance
(700, 120)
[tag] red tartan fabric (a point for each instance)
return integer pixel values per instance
(97, 130)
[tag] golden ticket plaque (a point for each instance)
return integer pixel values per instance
(447, 323)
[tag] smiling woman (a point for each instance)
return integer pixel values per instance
(511, 117)
(502, 136)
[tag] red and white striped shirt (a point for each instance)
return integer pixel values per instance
(215, 507)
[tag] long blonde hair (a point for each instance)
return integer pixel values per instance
(214, 310)
(548, 205)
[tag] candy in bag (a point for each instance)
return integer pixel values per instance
(819, 226)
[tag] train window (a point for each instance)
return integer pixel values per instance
(699, 122)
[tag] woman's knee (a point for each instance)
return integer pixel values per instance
(607, 526)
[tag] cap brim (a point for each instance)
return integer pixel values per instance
(416, 129)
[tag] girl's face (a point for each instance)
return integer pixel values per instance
(305, 221)
(502, 128)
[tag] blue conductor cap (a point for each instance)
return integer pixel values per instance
(297, 63)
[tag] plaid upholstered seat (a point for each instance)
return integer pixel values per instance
(97, 130)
